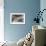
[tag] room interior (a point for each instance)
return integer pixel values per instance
(18, 34)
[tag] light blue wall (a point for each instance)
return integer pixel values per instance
(29, 7)
(43, 6)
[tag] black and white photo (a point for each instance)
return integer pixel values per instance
(17, 18)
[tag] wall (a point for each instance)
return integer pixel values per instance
(29, 7)
(1, 21)
(43, 6)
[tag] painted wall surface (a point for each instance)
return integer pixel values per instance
(1, 21)
(29, 7)
(43, 6)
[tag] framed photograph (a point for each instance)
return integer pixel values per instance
(17, 18)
